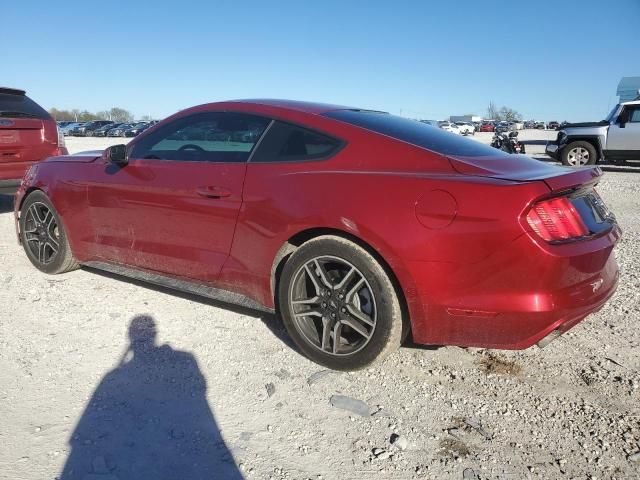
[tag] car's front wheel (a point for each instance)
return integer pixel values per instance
(339, 305)
(579, 154)
(43, 236)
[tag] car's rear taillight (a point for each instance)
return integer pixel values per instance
(556, 219)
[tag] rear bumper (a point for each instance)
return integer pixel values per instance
(515, 297)
(552, 150)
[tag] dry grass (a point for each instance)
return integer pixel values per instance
(491, 363)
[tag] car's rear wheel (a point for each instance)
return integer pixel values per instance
(43, 236)
(339, 305)
(579, 154)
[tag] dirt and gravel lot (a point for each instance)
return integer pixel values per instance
(100, 376)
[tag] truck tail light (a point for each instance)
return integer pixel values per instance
(556, 219)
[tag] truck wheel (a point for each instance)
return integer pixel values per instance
(579, 154)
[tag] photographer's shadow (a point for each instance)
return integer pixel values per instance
(149, 419)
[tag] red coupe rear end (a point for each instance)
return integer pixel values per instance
(543, 282)
(28, 134)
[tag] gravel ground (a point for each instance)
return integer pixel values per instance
(86, 387)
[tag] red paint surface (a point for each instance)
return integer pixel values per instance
(25, 141)
(515, 287)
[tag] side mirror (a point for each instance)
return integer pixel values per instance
(116, 154)
(513, 134)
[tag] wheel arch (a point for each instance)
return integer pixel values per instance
(28, 192)
(303, 236)
(594, 140)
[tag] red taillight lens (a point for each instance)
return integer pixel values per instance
(556, 219)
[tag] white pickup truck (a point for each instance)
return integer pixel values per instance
(617, 138)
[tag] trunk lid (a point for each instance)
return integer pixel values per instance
(520, 168)
(22, 139)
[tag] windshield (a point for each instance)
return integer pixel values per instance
(609, 118)
(415, 133)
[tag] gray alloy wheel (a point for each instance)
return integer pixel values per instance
(41, 233)
(43, 236)
(339, 304)
(333, 305)
(578, 156)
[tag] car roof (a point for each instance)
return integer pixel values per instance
(307, 107)
(632, 102)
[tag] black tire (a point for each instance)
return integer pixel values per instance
(62, 260)
(578, 146)
(387, 333)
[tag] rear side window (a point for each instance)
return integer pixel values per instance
(415, 133)
(20, 106)
(285, 142)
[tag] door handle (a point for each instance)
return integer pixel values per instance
(212, 191)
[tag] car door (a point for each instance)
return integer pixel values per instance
(623, 138)
(173, 207)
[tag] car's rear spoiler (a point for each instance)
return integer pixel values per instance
(520, 168)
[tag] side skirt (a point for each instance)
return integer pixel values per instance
(180, 285)
(622, 154)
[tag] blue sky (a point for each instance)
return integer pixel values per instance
(550, 60)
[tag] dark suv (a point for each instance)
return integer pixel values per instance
(28, 134)
(88, 128)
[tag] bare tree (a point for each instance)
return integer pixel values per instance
(116, 114)
(510, 115)
(120, 115)
(492, 111)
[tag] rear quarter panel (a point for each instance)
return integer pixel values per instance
(370, 190)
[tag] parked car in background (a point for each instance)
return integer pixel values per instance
(64, 123)
(87, 129)
(449, 127)
(505, 126)
(66, 130)
(518, 125)
(540, 126)
(137, 129)
(466, 128)
(119, 131)
(487, 127)
(529, 124)
(28, 134)
(249, 223)
(616, 138)
(553, 125)
(102, 131)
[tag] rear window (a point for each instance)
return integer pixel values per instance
(20, 106)
(415, 133)
(290, 143)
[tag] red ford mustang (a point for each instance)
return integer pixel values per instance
(359, 227)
